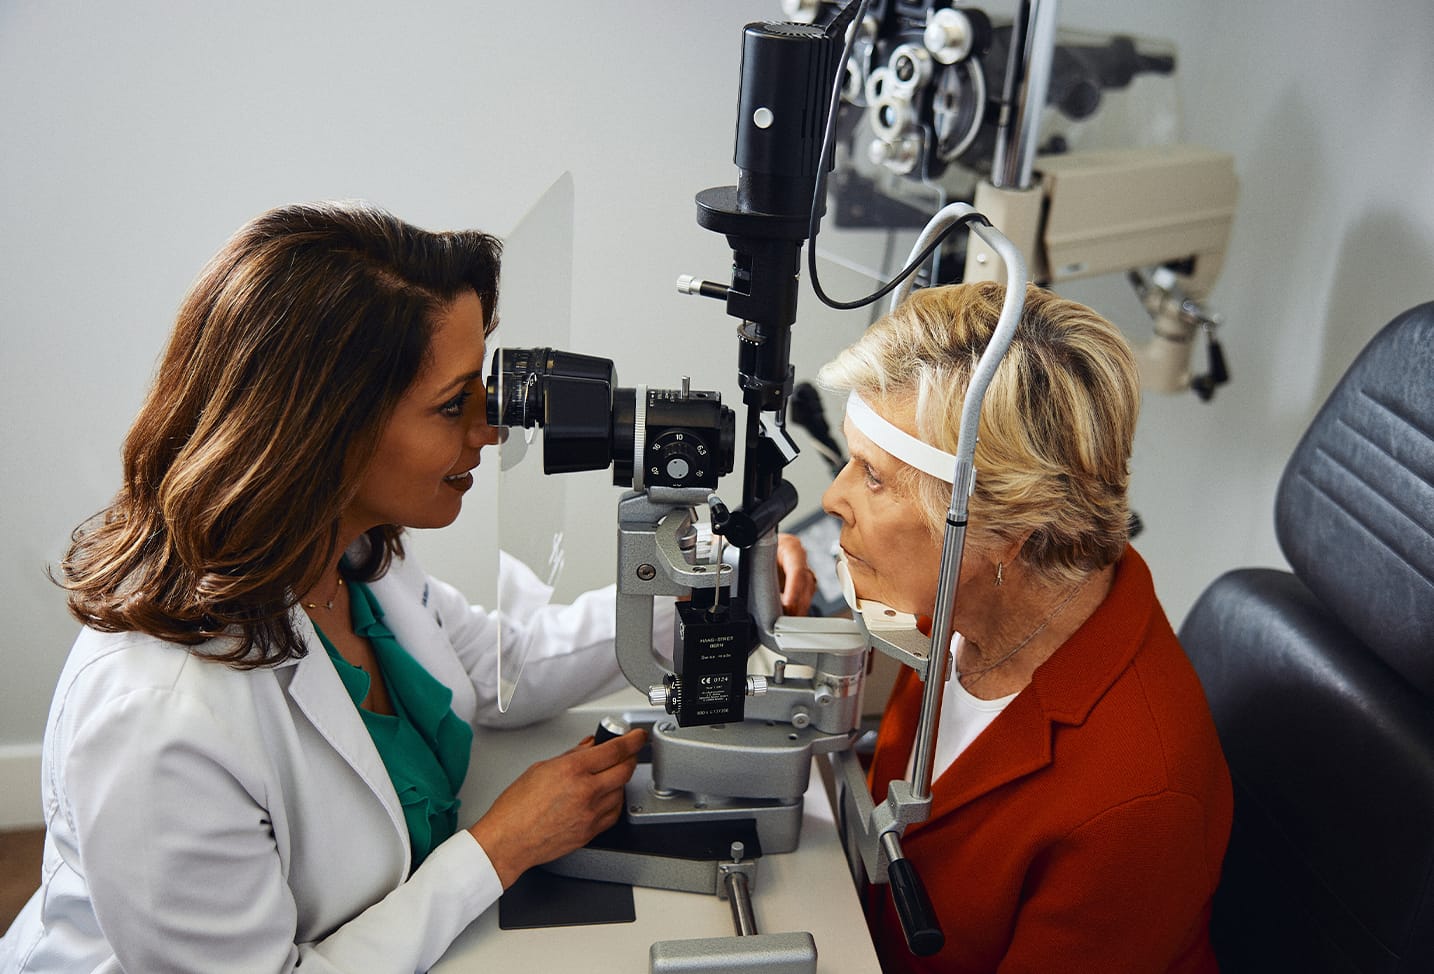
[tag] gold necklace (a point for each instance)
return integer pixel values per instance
(330, 603)
(975, 675)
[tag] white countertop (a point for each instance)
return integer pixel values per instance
(807, 890)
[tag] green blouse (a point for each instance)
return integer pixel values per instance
(424, 745)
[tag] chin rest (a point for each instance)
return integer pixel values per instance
(1321, 682)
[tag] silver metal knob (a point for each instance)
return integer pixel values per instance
(910, 67)
(949, 37)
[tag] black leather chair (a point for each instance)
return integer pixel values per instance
(1321, 682)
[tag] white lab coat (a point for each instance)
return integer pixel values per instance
(206, 819)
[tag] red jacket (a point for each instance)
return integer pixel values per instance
(1084, 829)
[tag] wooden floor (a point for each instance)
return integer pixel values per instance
(19, 871)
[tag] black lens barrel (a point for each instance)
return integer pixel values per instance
(681, 438)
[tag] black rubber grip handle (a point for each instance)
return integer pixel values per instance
(913, 907)
(1219, 371)
(608, 728)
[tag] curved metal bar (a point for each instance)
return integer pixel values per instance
(954, 541)
(944, 217)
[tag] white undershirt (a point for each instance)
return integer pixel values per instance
(963, 718)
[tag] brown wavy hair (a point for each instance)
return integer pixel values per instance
(287, 358)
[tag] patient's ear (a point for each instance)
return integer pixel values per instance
(1010, 551)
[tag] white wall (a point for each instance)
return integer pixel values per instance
(1324, 106)
(135, 137)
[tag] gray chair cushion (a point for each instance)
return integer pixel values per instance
(1331, 862)
(1321, 683)
(1355, 508)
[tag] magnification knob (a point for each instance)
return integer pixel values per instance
(679, 457)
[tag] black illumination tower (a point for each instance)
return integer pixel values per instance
(788, 71)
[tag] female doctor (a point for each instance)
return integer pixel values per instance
(253, 753)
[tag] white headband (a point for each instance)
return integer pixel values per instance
(899, 443)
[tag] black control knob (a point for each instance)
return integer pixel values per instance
(610, 726)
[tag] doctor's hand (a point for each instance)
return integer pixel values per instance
(797, 580)
(558, 805)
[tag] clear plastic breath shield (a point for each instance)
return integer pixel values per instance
(535, 306)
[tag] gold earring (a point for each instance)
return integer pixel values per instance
(1000, 572)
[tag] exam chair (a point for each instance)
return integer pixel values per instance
(1321, 682)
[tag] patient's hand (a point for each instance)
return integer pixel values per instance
(797, 580)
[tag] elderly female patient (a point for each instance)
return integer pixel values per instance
(1080, 801)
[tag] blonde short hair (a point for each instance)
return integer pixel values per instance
(1053, 446)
